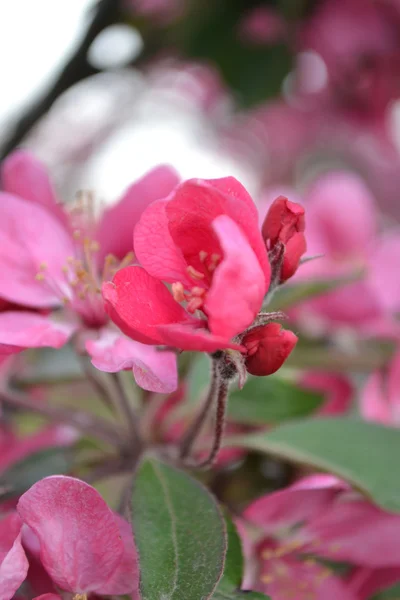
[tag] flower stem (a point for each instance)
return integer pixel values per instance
(80, 420)
(194, 430)
(222, 397)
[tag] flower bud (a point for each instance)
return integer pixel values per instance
(284, 219)
(284, 226)
(268, 347)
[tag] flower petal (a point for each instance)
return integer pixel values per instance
(153, 370)
(23, 175)
(155, 249)
(299, 502)
(139, 303)
(20, 330)
(13, 561)
(126, 575)
(238, 285)
(268, 346)
(32, 240)
(358, 532)
(115, 230)
(189, 337)
(342, 208)
(80, 541)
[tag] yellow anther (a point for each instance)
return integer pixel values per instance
(194, 273)
(267, 579)
(43, 266)
(197, 291)
(94, 246)
(203, 255)
(178, 291)
(39, 277)
(267, 554)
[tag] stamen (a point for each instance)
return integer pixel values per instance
(197, 291)
(203, 255)
(178, 291)
(194, 304)
(267, 578)
(193, 273)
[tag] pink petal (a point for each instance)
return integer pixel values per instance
(23, 175)
(153, 370)
(295, 504)
(194, 205)
(13, 561)
(126, 575)
(139, 303)
(342, 208)
(155, 249)
(383, 276)
(18, 448)
(20, 330)
(365, 582)
(292, 578)
(80, 541)
(189, 337)
(337, 390)
(374, 404)
(115, 230)
(358, 532)
(48, 597)
(238, 286)
(31, 238)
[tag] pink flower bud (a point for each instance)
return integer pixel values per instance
(284, 219)
(285, 224)
(268, 347)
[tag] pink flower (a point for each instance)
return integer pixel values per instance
(342, 226)
(359, 44)
(204, 241)
(13, 562)
(316, 518)
(51, 257)
(262, 25)
(380, 397)
(84, 547)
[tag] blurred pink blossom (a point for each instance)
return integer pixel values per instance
(317, 518)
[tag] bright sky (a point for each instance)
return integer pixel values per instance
(35, 38)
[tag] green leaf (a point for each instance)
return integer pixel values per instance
(364, 454)
(180, 534)
(240, 595)
(234, 564)
(24, 473)
(288, 295)
(392, 593)
(228, 587)
(271, 399)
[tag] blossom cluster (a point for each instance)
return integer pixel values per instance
(177, 269)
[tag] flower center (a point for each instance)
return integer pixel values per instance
(195, 296)
(79, 286)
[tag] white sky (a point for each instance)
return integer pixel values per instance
(35, 38)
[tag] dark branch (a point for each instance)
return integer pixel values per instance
(105, 13)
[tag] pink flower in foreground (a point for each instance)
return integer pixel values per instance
(204, 241)
(315, 519)
(84, 547)
(13, 562)
(52, 257)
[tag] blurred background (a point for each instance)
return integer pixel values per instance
(275, 92)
